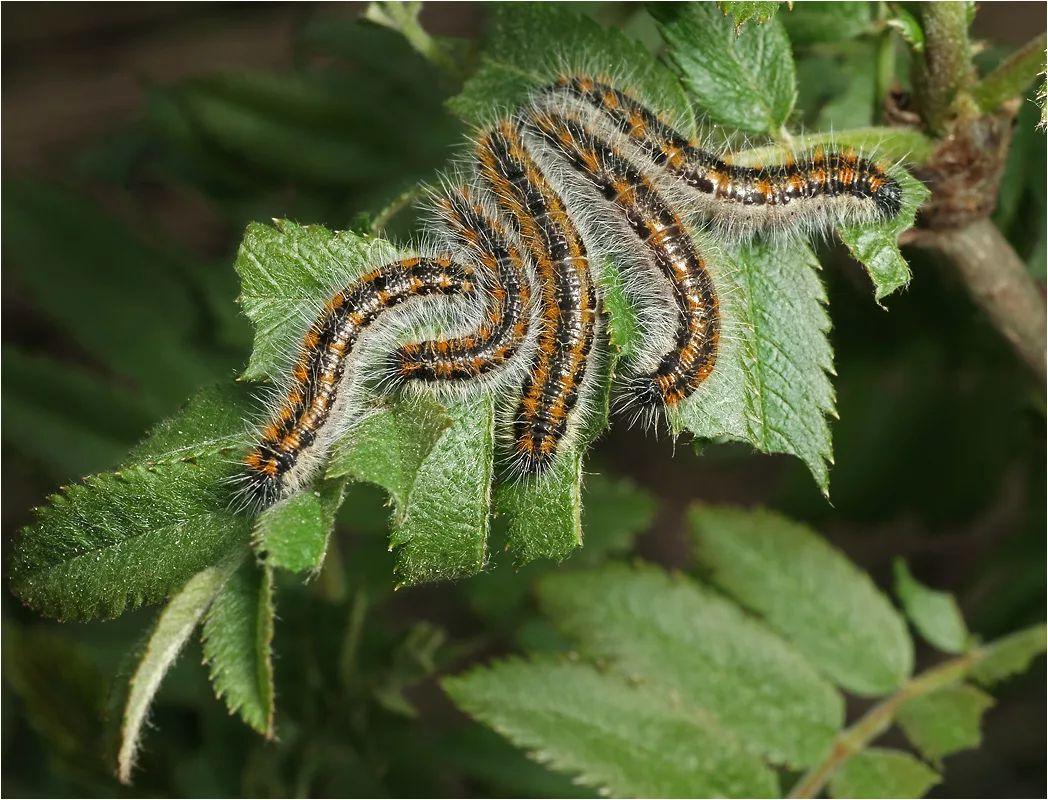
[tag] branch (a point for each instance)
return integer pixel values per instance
(1012, 76)
(998, 282)
(879, 718)
(946, 64)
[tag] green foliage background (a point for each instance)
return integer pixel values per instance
(939, 445)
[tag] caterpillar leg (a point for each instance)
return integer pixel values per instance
(299, 434)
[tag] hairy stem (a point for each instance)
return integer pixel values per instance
(1012, 76)
(946, 65)
(879, 718)
(999, 283)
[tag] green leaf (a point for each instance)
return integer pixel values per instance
(209, 423)
(875, 245)
(880, 772)
(743, 11)
(286, 272)
(545, 512)
(403, 17)
(623, 739)
(673, 633)
(934, 614)
(121, 539)
(908, 27)
(809, 592)
(811, 23)
(771, 387)
(945, 721)
(388, 446)
(171, 631)
(444, 524)
(1009, 656)
(237, 637)
(525, 49)
(623, 324)
(742, 79)
(293, 535)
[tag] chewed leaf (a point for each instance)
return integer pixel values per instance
(237, 638)
(770, 387)
(624, 739)
(809, 592)
(875, 245)
(530, 43)
(881, 772)
(285, 272)
(935, 614)
(390, 444)
(1010, 656)
(744, 78)
(443, 527)
(545, 513)
(945, 721)
(293, 535)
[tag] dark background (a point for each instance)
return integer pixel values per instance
(939, 448)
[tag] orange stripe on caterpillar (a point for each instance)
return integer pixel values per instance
(567, 300)
(297, 423)
(693, 355)
(504, 280)
(820, 176)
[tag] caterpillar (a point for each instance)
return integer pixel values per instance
(582, 169)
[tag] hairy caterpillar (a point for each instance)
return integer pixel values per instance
(579, 160)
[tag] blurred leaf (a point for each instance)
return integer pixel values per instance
(742, 79)
(66, 417)
(293, 535)
(875, 245)
(63, 693)
(1010, 655)
(237, 638)
(126, 303)
(676, 635)
(622, 739)
(880, 772)
(771, 387)
(121, 539)
(403, 17)
(945, 721)
(614, 511)
(934, 614)
(523, 51)
(809, 592)
(813, 23)
(171, 631)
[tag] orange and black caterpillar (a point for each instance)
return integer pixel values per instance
(581, 159)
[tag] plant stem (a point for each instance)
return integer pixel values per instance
(398, 204)
(879, 718)
(1012, 76)
(946, 65)
(999, 283)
